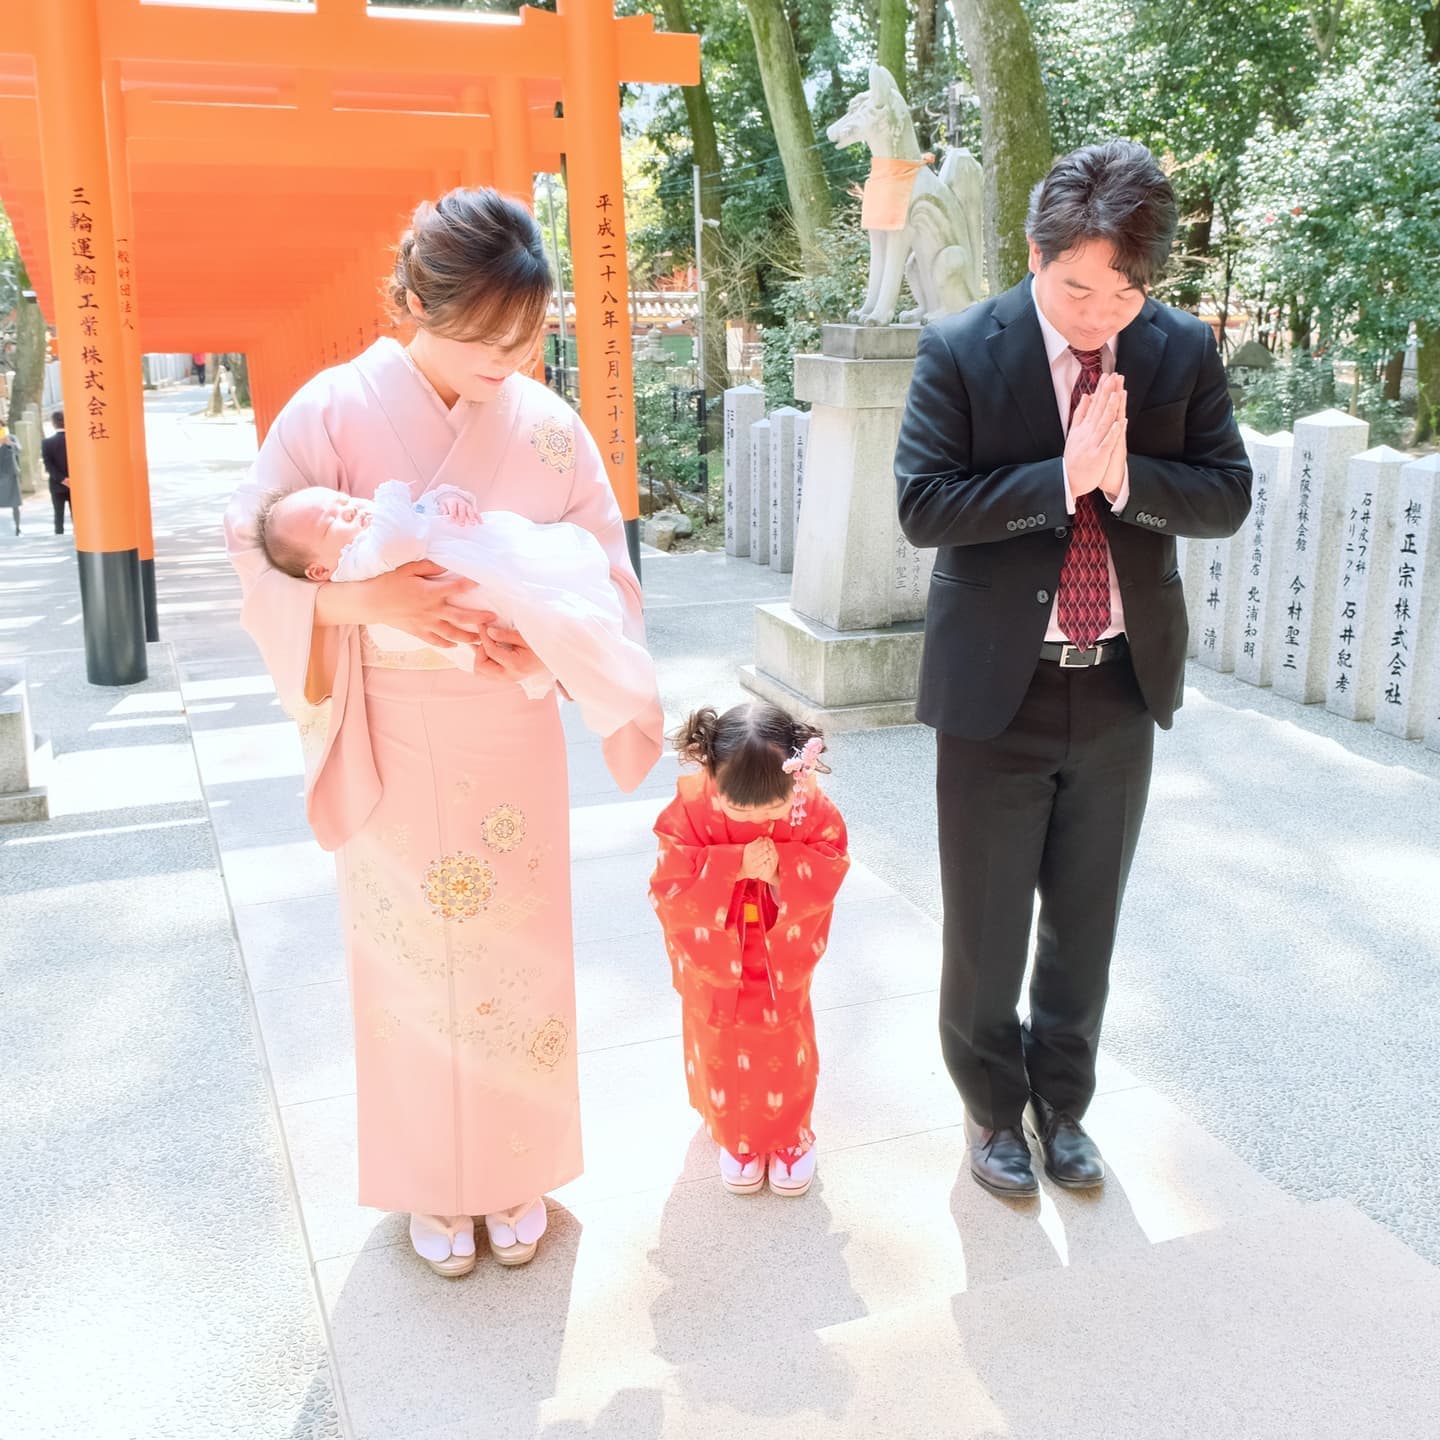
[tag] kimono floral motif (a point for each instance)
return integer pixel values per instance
(555, 444)
(504, 828)
(313, 723)
(458, 886)
(549, 1043)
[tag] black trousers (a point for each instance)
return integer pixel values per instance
(60, 498)
(1053, 807)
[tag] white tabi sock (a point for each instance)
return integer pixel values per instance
(430, 1236)
(462, 1241)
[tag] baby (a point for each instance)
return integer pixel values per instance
(550, 582)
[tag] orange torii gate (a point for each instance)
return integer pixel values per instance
(229, 177)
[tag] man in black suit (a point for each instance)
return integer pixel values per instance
(1056, 439)
(54, 453)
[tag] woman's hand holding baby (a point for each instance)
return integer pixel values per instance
(503, 653)
(417, 598)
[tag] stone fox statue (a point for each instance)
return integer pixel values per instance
(924, 227)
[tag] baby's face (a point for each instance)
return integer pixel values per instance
(321, 522)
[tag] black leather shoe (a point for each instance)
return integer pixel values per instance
(1071, 1157)
(1000, 1161)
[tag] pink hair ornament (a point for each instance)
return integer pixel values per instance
(802, 765)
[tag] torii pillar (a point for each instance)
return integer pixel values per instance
(131, 392)
(94, 379)
(595, 186)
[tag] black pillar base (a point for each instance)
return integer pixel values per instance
(147, 593)
(632, 539)
(113, 608)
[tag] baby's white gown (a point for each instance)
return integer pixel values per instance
(550, 582)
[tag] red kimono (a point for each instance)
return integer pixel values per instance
(741, 957)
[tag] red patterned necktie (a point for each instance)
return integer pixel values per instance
(1082, 603)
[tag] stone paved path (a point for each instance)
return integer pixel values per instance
(1205, 1292)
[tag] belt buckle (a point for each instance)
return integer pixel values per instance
(1066, 651)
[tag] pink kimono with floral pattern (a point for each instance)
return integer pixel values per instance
(444, 794)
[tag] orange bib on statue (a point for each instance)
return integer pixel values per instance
(885, 204)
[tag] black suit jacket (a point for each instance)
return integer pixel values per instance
(978, 468)
(56, 455)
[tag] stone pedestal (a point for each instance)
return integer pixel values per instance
(837, 679)
(1309, 553)
(760, 492)
(22, 797)
(850, 558)
(1407, 682)
(744, 405)
(1358, 624)
(845, 651)
(1270, 460)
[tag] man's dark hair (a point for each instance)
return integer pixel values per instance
(57, 419)
(1112, 191)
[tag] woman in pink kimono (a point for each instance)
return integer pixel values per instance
(444, 793)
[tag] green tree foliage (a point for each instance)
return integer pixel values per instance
(811, 300)
(1344, 209)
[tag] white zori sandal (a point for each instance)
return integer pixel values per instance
(514, 1234)
(447, 1246)
(792, 1170)
(741, 1174)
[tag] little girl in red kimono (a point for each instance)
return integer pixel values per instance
(752, 853)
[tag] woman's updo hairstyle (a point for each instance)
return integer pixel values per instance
(475, 261)
(745, 750)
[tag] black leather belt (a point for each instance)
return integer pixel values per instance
(1072, 657)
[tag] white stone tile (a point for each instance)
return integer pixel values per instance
(291, 942)
(617, 827)
(288, 870)
(420, 1354)
(321, 1138)
(309, 1041)
(242, 754)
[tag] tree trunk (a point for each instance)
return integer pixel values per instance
(794, 130)
(893, 17)
(1299, 326)
(1427, 377)
(1427, 362)
(1394, 373)
(240, 378)
(31, 352)
(1014, 126)
(705, 148)
(924, 35)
